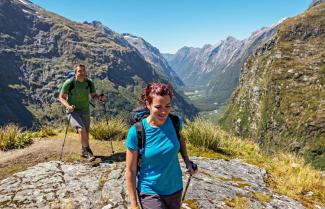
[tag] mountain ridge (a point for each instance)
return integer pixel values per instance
(38, 47)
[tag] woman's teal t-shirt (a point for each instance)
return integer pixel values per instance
(160, 172)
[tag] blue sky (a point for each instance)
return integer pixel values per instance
(172, 24)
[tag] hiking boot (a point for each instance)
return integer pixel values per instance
(87, 153)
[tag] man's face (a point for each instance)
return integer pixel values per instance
(80, 72)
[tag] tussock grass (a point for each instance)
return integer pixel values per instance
(288, 174)
(262, 197)
(203, 134)
(12, 137)
(238, 202)
(114, 128)
(45, 132)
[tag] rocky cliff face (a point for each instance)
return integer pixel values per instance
(219, 184)
(280, 99)
(37, 48)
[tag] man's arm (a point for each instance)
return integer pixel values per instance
(63, 100)
(98, 97)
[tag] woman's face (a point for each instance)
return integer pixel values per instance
(159, 108)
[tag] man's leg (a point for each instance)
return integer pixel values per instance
(81, 123)
(84, 137)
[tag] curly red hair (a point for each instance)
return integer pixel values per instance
(160, 89)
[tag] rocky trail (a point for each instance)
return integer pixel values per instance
(57, 184)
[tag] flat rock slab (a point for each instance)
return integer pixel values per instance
(219, 184)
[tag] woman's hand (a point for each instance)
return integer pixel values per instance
(191, 168)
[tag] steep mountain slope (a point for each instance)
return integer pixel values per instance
(196, 65)
(37, 48)
(216, 68)
(225, 81)
(153, 56)
(280, 99)
(183, 62)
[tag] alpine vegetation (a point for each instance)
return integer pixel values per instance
(12, 136)
(112, 128)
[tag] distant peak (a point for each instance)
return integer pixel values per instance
(97, 22)
(231, 38)
(279, 22)
(315, 3)
(130, 36)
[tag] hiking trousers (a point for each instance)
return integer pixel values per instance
(156, 201)
(80, 120)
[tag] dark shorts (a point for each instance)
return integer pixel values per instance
(150, 201)
(80, 120)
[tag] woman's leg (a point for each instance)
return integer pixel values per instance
(173, 201)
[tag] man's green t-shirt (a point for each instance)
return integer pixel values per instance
(79, 95)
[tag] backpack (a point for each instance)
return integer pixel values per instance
(135, 118)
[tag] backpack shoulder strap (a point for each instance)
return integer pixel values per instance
(88, 84)
(141, 141)
(140, 134)
(176, 123)
(71, 85)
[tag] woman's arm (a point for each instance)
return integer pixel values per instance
(130, 176)
(185, 156)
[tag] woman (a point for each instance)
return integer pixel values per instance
(159, 177)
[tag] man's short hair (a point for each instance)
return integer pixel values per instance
(80, 66)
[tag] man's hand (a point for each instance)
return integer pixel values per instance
(102, 98)
(70, 108)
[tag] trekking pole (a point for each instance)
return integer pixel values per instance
(65, 136)
(194, 167)
(106, 115)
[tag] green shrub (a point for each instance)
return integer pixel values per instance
(22, 140)
(115, 128)
(11, 137)
(45, 132)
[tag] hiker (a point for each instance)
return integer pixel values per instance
(158, 170)
(74, 95)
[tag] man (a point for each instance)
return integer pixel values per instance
(74, 96)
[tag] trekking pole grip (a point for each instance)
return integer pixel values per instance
(194, 166)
